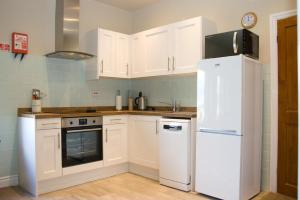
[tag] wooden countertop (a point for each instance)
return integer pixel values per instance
(188, 113)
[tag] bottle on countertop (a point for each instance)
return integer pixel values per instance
(118, 101)
(130, 101)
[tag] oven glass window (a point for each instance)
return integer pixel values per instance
(82, 147)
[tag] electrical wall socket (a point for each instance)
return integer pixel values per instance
(95, 93)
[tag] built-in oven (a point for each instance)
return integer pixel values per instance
(81, 140)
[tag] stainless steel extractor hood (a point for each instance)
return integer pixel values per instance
(67, 31)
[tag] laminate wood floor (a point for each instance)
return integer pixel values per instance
(122, 187)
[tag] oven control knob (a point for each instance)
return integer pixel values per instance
(71, 122)
(94, 121)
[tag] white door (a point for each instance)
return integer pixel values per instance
(187, 45)
(138, 55)
(115, 144)
(143, 141)
(122, 53)
(49, 164)
(218, 164)
(106, 53)
(158, 51)
(219, 94)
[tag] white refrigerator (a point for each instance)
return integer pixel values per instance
(229, 127)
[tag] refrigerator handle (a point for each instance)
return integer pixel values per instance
(218, 131)
(235, 46)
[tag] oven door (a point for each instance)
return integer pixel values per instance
(81, 145)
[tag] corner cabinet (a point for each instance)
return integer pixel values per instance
(167, 50)
(114, 140)
(111, 50)
(143, 141)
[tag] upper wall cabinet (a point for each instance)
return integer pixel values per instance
(157, 51)
(112, 54)
(165, 50)
(171, 49)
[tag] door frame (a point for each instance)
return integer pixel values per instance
(274, 18)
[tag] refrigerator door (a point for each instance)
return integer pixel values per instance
(219, 95)
(218, 164)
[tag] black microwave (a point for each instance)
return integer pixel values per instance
(232, 43)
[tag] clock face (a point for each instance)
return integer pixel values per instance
(249, 20)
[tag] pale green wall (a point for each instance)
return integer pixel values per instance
(166, 88)
(64, 83)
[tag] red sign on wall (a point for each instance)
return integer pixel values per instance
(19, 43)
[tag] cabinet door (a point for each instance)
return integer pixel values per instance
(122, 55)
(48, 144)
(106, 53)
(158, 47)
(187, 45)
(137, 55)
(143, 141)
(115, 144)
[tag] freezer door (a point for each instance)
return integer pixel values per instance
(219, 94)
(218, 164)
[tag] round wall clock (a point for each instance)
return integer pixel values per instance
(249, 20)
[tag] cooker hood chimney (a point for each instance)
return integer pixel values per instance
(67, 31)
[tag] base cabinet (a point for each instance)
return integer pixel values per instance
(115, 140)
(143, 141)
(49, 164)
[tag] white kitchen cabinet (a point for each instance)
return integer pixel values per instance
(173, 49)
(187, 45)
(157, 51)
(112, 54)
(122, 59)
(143, 141)
(106, 53)
(40, 152)
(49, 163)
(137, 55)
(115, 150)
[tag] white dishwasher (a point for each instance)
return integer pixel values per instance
(175, 153)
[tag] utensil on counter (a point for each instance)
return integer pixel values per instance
(36, 101)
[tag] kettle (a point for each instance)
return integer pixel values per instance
(140, 102)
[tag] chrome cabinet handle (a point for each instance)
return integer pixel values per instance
(102, 65)
(46, 124)
(114, 120)
(156, 129)
(58, 140)
(173, 63)
(106, 136)
(235, 46)
(168, 63)
(127, 69)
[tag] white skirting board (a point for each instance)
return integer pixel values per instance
(8, 181)
(84, 177)
(144, 171)
(80, 178)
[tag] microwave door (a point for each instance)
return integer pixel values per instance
(224, 44)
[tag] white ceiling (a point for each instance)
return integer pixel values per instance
(130, 5)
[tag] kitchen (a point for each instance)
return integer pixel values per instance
(64, 81)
